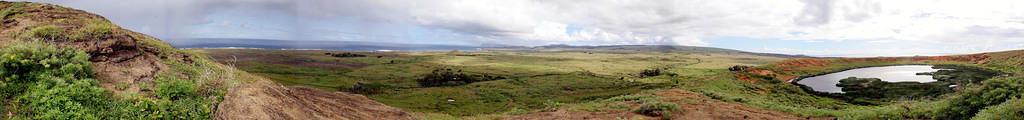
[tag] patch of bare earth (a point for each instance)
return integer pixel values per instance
(694, 106)
(263, 100)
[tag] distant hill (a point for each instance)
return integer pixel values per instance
(636, 48)
(302, 44)
(375, 46)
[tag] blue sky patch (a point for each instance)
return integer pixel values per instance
(572, 29)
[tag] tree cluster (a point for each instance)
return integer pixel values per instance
(452, 77)
(651, 72)
(738, 68)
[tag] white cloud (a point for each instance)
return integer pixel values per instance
(687, 22)
(974, 24)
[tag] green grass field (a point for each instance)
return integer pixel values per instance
(534, 81)
(530, 78)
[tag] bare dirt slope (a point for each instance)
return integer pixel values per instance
(698, 108)
(269, 101)
(124, 59)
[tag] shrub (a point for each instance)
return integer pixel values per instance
(445, 77)
(971, 101)
(76, 100)
(55, 83)
(651, 72)
(91, 29)
(656, 108)
(738, 68)
(552, 105)
(346, 54)
(47, 32)
(1009, 110)
(367, 88)
(23, 64)
(174, 89)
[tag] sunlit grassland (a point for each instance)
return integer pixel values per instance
(531, 78)
(606, 63)
(577, 79)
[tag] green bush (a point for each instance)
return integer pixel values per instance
(174, 89)
(54, 82)
(971, 101)
(1009, 110)
(47, 32)
(656, 108)
(91, 29)
(23, 64)
(552, 105)
(46, 82)
(77, 100)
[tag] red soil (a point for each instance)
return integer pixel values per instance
(744, 78)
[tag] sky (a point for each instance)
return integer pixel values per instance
(842, 28)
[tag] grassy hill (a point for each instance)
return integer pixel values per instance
(63, 63)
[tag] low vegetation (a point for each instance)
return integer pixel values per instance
(13, 10)
(46, 77)
(657, 108)
(46, 82)
(874, 91)
(346, 54)
(452, 77)
(591, 81)
(92, 29)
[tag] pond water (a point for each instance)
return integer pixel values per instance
(902, 73)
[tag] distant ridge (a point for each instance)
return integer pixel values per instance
(304, 44)
(377, 46)
(639, 48)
